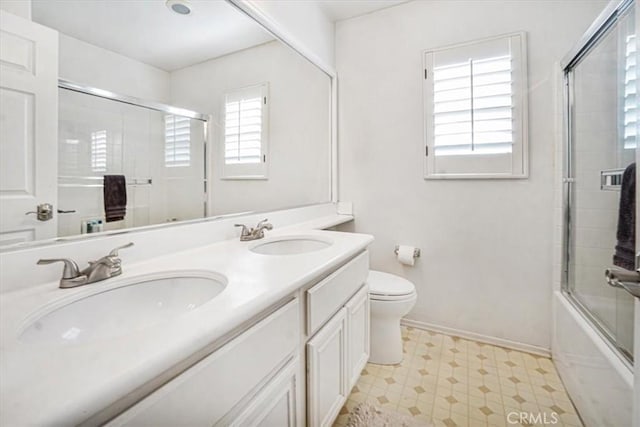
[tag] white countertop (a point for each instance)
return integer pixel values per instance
(56, 384)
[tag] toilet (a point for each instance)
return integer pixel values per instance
(391, 297)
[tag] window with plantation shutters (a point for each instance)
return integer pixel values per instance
(99, 151)
(475, 109)
(177, 141)
(245, 133)
(630, 100)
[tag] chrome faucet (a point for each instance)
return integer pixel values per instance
(248, 234)
(101, 269)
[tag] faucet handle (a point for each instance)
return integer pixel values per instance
(114, 252)
(264, 223)
(70, 271)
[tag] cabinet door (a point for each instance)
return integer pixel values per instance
(205, 393)
(357, 334)
(277, 404)
(327, 379)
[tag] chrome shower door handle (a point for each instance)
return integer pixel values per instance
(624, 279)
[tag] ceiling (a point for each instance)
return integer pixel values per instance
(337, 10)
(149, 32)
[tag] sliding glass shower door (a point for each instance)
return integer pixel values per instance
(602, 145)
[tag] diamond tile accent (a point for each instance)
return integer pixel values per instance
(484, 389)
(449, 423)
(486, 411)
(518, 399)
(405, 338)
(454, 350)
(355, 389)
(423, 385)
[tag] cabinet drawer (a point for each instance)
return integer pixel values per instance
(211, 388)
(328, 296)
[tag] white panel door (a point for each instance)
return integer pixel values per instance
(327, 376)
(358, 322)
(28, 127)
(277, 405)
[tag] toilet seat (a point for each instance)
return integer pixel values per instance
(389, 287)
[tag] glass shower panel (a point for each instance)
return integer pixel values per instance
(160, 155)
(600, 151)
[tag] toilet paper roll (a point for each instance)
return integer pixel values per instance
(405, 254)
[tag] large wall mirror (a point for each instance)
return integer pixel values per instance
(167, 112)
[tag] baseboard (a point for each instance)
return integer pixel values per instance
(514, 345)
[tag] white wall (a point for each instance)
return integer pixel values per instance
(94, 66)
(21, 8)
(299, 125)
(305, 22)
(486, 245)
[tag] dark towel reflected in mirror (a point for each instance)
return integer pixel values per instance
(626, 234)
(115, 197)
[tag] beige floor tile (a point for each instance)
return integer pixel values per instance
(457, 382)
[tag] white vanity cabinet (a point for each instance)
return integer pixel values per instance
(221, 386)
(277, 405)
(258, 378)
(358, 321)
(337, 353)
(327, 376)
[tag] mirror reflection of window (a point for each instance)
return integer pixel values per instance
(630, 103)
(245, 133)
(177, 137)
(99, 151)
(243, 126)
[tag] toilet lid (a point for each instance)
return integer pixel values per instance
(388, 284)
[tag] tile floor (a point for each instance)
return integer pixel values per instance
(452, 381)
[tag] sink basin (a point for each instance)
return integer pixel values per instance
(290, 245)
(135, 304)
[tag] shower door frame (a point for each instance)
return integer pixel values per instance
(599, 29)
(154, 106)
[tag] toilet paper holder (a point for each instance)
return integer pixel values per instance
(416, 251)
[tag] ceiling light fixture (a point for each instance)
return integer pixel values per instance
(181, 7)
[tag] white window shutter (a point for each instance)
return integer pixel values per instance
(245, 133)
(475, 109)
(99, 151)
(630, 107)
(177, 151)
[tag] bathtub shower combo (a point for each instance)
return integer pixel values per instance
(594, 319)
